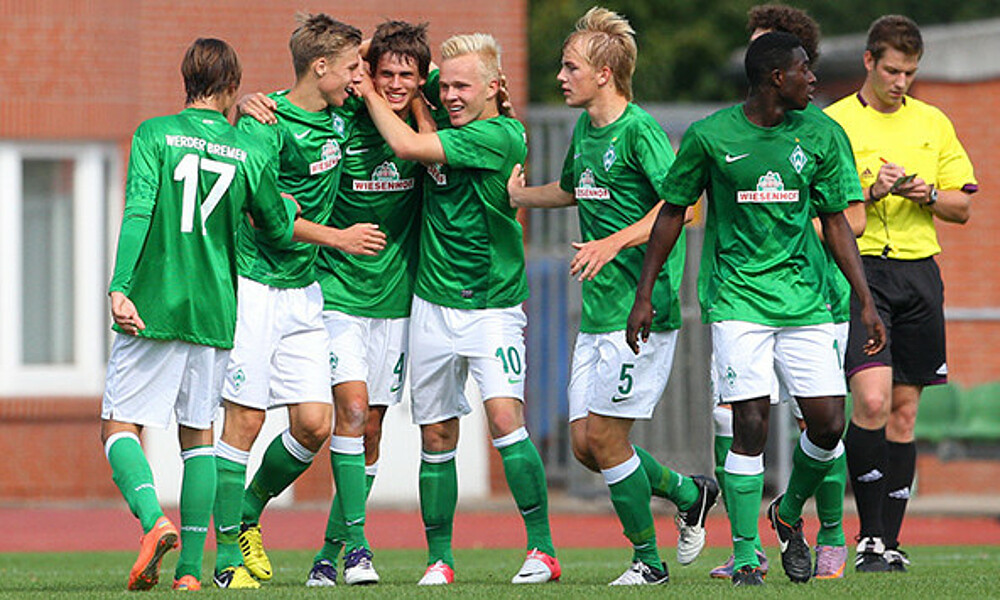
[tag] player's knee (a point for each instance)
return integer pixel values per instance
(438, 438)
(583, 456)
(870, 404)
(352, 418)
(311, 431)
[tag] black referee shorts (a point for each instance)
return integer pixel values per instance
(909, 296)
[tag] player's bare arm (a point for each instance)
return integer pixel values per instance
(591, 256)
(666, 230)
(258, 106)
(125, 315)
(364, 239)
(840, 241)
(549, 195)
(404, 141)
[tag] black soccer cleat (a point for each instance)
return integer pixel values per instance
(870, 556)
(748, 575)
(796, 558)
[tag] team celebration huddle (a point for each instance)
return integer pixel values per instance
(358, 233)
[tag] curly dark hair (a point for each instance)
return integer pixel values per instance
(777, 17)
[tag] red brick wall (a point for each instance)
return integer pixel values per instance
(93, 70)
(969, 252)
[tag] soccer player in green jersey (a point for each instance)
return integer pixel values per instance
(762, 284)
(831, 549)
(191, 179)
(281, 348)
(616, 162)
(470, 285)
(367, 299)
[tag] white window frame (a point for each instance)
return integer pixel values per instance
(97, 207)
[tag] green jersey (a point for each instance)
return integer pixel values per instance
(471, 245)
(616, 175)
(761, 261)
(191, 178)
(838, 286)
(309, 148)
(376, 187)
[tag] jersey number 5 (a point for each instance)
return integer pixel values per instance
(188, 170)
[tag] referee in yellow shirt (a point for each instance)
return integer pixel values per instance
(913, 169)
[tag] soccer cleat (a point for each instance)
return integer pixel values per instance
(897, 560)
(252, 549)
(358, 568)
(538, 567)
(691, 522)
(161, 538)
(438, 573)
(748, 575)
(639, 573)
(725, 570)
(235, 578)
(187, 583)
(870, 556)
(322, 574)
(830, 561)
(795, 555)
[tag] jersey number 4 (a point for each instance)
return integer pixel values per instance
(189, 170)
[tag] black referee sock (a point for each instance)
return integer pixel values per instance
(867, 463)
(902, 465)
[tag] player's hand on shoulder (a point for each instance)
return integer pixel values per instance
(515, 184)
(258, 106)
(364, 239)
(125, 315)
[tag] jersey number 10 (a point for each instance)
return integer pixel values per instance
(188, 170)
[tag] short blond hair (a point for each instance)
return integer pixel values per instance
(320, 36)
(482, 45)
(607, 40)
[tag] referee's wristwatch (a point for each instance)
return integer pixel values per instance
(932, 196)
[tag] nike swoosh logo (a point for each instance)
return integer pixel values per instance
(731, 159)
(783, 544)
(513, 380)
(576, 156)
(394, 388)
(355, 151)
(228, 529)
(530, 510)
(354, 522)
(617, 399)
(300, 136)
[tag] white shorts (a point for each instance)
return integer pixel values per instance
(747, 356)
(148, 379)
(369, 350)
(840, 331)
(447, 343)
(609, 379)
(280, 352)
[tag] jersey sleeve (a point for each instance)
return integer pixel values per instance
(689, 173)
(955, 171)
(141, 188)
(273, 216)
(655, 155)
(826, 190)
(478, 145)
(847, 171)
(268, 137)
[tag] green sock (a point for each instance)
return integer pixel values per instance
(744, 493)
(336, 532)
(722, 445)
(197, 498)
(438, 498)
(525, 473)
(665, 483)
(131, 473)
(630, 497)
(230, 478)
(830, 504)
(278, 469)
(348, 464)
(807, 474)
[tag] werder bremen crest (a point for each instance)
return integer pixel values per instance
(338, 124)
(798, 159)
(610, 156)
(329, 157)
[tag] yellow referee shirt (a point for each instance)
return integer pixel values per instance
(921, 139)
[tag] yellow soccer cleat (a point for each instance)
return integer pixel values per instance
(235, 578)
(252, 548)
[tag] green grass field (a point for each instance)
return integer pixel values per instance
(938, 572)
